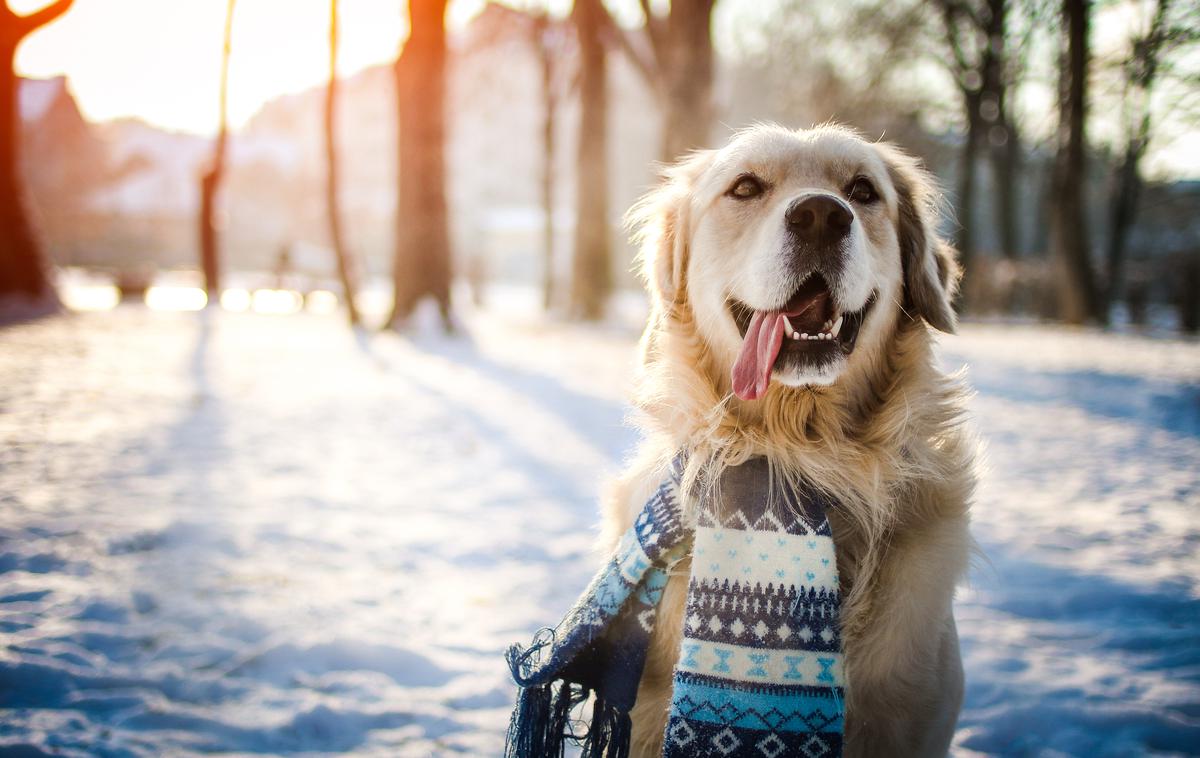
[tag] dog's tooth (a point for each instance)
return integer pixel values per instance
(790, 329)
(837, 327)
(804, 336)
(795, 335)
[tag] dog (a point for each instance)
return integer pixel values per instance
(833, 241)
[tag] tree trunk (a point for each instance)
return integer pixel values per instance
(1077, 301)
(344, 267)
(1123, 206)
(422, 263)
(1003, 145)
(1006, 169)
(209, 241)
(542, 31)
(1188, 293)
(967, 170)
(210, 181)
(687, 71)
(23, 269)
(1143, 68)
(592, 278)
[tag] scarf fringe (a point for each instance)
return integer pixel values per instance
(609, 734)
(541, 724)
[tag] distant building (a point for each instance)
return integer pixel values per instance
(63, 163)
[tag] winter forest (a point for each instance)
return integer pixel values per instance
(319, 321)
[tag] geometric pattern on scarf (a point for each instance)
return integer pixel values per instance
(760, 670)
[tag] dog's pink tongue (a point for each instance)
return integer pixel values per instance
(752, 370)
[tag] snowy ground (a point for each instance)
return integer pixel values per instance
(250, 534)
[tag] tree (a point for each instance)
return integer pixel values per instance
(976, 36)
(1150, 52)
(547, 41)
(422, 262)
(210, 180)
(675, 57)
(1075, 283)
(678, 68)
(591, 277)
(23, 271)
(331, 164)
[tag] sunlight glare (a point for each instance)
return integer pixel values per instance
(322, 302)
(237, 300)
(277, 302)
(100, 297)
(176, 299)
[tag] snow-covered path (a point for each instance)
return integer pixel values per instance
(249, 534)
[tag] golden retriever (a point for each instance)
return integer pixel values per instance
(794, 278)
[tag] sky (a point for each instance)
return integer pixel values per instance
(159, 60)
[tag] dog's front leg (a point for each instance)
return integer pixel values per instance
(904, 671)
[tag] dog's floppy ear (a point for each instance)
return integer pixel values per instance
(931, 272)
(660, 221)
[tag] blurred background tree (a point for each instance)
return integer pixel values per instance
(214, 172)
(674, 55)
(549, 39)
(977, 38)
(1164, 33)
(591, 276)
(23, 269)
(1078, 301)
(345, 267)
(422, 265)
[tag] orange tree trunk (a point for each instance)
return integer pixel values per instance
(210, 181)
(344, 267)
(422, 263)
(23, 269)
(591, 276)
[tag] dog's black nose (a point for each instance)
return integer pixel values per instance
(819, 219)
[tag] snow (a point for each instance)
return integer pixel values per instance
(241, 533)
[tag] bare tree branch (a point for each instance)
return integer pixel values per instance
(647, 65)
(38, 19)
(654, 32)
(950, 15)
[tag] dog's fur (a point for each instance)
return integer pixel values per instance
(882, 432)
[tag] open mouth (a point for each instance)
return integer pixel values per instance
(810, 329)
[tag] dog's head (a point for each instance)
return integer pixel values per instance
(793, 254)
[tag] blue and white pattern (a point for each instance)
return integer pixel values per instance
(760, 670)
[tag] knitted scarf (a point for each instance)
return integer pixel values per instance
(760, 664)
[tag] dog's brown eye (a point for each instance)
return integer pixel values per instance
(862, 191)
(746, 187)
